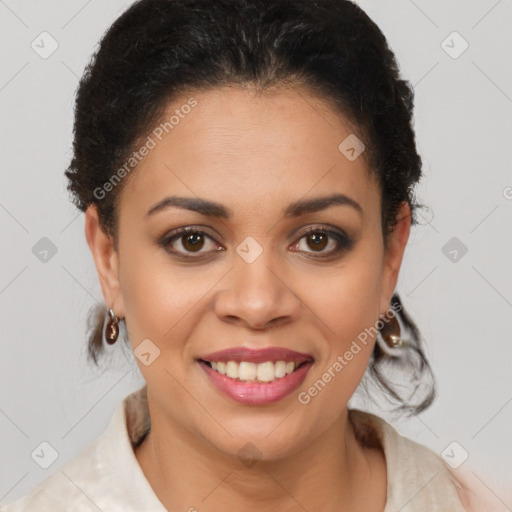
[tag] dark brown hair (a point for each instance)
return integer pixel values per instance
(158, 49)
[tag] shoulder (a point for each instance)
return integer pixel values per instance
(417, 478)
(61, 488)
(103, 476)
(479, 496)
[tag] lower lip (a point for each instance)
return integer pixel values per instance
(256, 393)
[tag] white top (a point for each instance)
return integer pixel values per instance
(106, 475)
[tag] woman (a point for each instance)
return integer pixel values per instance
(246, 169)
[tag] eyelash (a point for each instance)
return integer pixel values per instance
(344, 242)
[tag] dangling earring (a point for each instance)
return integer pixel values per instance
(112, 328)
(389, 337)
(390, 333)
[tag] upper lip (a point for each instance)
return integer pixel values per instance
(239, 354)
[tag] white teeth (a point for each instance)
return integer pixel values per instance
(266, 371)
(232, 370)
(280, 369)
(246, 371)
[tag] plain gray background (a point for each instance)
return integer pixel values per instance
(462, 307)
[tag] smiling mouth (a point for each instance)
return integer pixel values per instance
(245, 371)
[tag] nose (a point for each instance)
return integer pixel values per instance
(258, 295)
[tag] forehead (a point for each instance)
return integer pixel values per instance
(240, 146)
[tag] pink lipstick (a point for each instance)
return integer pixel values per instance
(256, 377)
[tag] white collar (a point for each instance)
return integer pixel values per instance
(107, 476)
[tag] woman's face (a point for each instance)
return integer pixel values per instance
(248, 275)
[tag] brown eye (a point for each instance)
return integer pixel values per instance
(323, 241)
(193, 242)
(189, 242)
(317, 241)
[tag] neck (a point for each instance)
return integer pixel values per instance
(185, 471)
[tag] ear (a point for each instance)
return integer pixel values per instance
(106, 260)
(393, 256)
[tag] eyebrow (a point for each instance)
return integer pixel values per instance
(213, 209)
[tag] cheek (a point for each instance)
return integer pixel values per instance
(348, 299)
(156, 295)
(163, 299)
(348, 310)
(348, 305)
